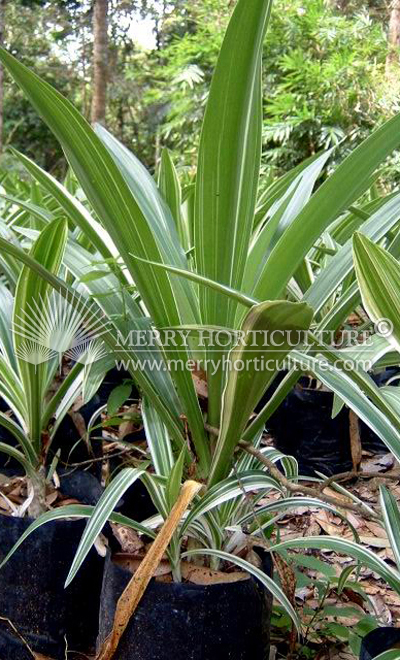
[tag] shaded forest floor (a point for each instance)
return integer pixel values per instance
(338, 618)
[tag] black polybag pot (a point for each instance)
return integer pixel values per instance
(378, 641)
(370, 441)
(136, 503)
(81, 486)
(303, 427)
(190, 622)
(32, 594)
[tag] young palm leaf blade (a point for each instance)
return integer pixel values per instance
(31, 292)
(229, 158)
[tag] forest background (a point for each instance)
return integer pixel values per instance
(143, 69)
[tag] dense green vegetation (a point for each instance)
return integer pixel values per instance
(324, 75)
(244, 184)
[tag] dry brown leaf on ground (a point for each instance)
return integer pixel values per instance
(51, 498)
(376, 529)
(128, 539)
(200, 383)
(378, 463)
(366, 494)
(287, 534)
(386, 554)
(355, 440)
(313, 529)
(79, 422)
(396, 492)
(381, 608)
(130, 421)
(304, 594)
(331, 525)
(374, 541)
(354, 520)
(67, 502)
(392, 598)
(339, 655)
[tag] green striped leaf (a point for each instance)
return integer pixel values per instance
(74, 209)
(378, 275)
(227, 490)
(229, 159)
(228, 171)
(129, 206)
(248, 377)
(157, 438)
(349, 181)
(349, 548)
(206, 282)
(282, 214)
(101, 514)
(71, 512)
(168, 183)
(111, 337)
(388, 655)
(391, 517)
(22, 439)
(376, 227)
(20, 457)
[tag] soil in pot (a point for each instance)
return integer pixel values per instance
(378, 641)
(34, 606)
(186, 621)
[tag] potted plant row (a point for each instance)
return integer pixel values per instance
(242, 269)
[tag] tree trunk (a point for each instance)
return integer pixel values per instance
(100, 48)
(85, 108)
(393, 35)
(2, 23)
